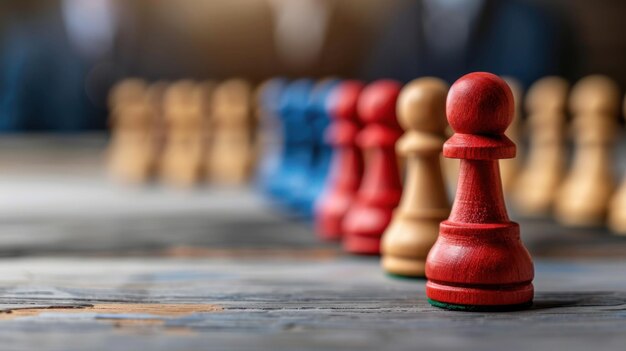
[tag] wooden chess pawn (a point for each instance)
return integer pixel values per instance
(450, 168)
(155, 94)
(346, 168)
(381, 187)
(583, 198)
(183, 154)
(617, 207)
(269, 140)
(536, 188)
(509, 168)
(479, 261)
(231, 155)
(424, 204)
(132, 152)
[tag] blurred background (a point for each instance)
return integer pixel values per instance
(59, 58)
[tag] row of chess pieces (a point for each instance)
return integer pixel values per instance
(320, 143)
(182, 133)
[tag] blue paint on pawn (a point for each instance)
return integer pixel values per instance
(270, 124)
(296, 154)
(318, 120)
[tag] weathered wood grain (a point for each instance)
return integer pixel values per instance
(341, 303)
(105, 267)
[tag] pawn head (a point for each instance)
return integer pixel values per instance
(268, 93)
(295, 97)
(232, 92)
(549, 93)
(480, 103)
(319, 97)
(422, 105)
(179, 94)
(377, 102)
(127, 91)
(342, 102)
(595, 94)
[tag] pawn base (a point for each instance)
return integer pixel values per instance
(363, 228)
(404, 267)
(480, 308)
(361, 245)
(496, 297)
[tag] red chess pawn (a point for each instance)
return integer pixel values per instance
(346, 167)
(479, 261)
(381, 187)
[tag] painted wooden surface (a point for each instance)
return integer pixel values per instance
(381, 186)
(93, 266)
(479, 260)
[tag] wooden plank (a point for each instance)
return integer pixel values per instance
(286, 303)
(87, 267)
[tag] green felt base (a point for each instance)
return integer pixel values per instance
(478, 308)
(404, 277)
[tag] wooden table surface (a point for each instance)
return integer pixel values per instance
(89, 265)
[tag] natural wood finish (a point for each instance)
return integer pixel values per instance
(450, 168)
(132, 152)
(617, 207)
(424, 204)
(381, 188)
(156, 95)
(479, 260)
(583, 198)
(538, 183)
(232, 156)
(185, 141)
(510, 168)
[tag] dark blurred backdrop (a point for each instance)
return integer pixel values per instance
(60, 57)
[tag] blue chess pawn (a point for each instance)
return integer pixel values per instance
(318, 120)
(297, 138)
(268, 101)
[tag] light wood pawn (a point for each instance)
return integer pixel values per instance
(538, 183)
(617, 207)
(183, 154)
(424, 204)
(509, 168)
(132, 152)
(583, 198)
(155, 95)
(232, 154)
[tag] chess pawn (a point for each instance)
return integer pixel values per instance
(381, 188)
(537, 185)
(509, 168)
(183, 154)
(479, 261)
(346, 167)
(424, 204)
(269, 138)
(317, 120)
(126, 92)
(450, 168)
(155, 94)
(132, 152)
(297, 151)
(617, 207)
(583, 198)
(231, 155)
